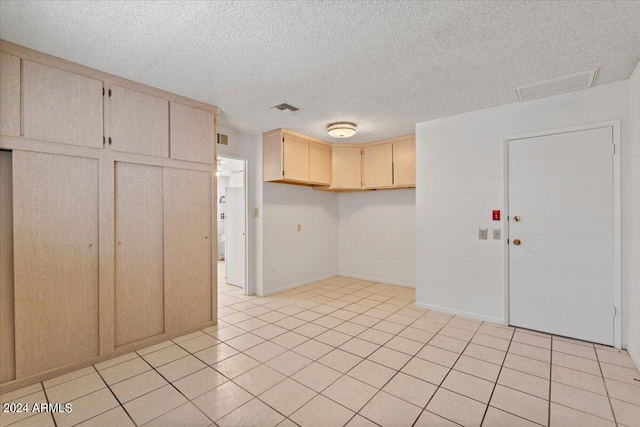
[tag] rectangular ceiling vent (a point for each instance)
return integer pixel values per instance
(286, 108)
(223, 139)
(570, 83)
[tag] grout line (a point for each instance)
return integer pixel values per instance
(115, 397)
(606, 389)
(46, 396)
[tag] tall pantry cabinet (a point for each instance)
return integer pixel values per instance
(107, 221)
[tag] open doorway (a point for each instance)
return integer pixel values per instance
(232, 224)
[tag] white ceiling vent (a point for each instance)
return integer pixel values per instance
(576, 81)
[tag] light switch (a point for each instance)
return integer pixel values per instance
(256, 213)
(496, 234)
(482, 233)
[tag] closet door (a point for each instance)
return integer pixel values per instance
(377, 166)
(55, 231)
(187, 248)
(192, 134)
(139, 122)
(59, 106)
(9, 95)
(139, 289)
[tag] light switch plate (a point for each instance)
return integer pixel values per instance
(496, 234)
(482, 233)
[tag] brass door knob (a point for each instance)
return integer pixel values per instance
(516, 218)
(516, 242)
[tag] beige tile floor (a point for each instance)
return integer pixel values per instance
(347, 352)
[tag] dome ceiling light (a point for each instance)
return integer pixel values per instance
(341, 129)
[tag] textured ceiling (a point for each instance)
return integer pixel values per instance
(383, 65)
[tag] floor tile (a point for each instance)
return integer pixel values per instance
(137, 386)
(321, 411)
(582, 400)
(45, 420)
(125, 370)
(498, 418)
(468, 385)
(245, 342)
(496, 331)
(562, 416)
(390, 358)
(328, 322)
(350, 392)
(359, 421)
(578, 379)
(185, 415)
(453, 332)
(485, 353)
(351, 329)
(411, 389)
(259, 379)
(359, 347)
(164, 356)
(527, 383)
(388, 410)
(528, 366)
(289, 340)
(253, 413)
(535, 340)
(333, 338)
(620, 373)
(372, 373)
(181, 368)
(626, 413)
(289, 363)
(448, 343)
(79, 373)
(222, 400)
(76, 388)
(425, 370)
(200, 343)
(146, 408)
(404, 345)
(290, 323)
(100, 366)
(30, 399)
(316, 376)
(375, 336)
(310, 330)
(438, 355)
(615, 357)
(265, 351)
(287, 396)
(521, 404)
(588, 352)
(623, 391)
(235, 365)
(269, 332)
(575, 362)
(429, 419)
(313, 349)
(113, 417)
(228, 333)
(86, 407)
(416, 334)
(200, 382)
(216, 353)
(457, 408)
(12, 396)
(340, 360)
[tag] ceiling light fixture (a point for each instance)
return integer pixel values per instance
(341, 129)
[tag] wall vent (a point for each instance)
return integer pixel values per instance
(286, 108)
(564, 84)
(223, 139)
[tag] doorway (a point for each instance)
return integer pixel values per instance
(562, 196)
(232, 224)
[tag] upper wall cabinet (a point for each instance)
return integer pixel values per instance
(377, 166)
(346, 168)
(9, 95)
(295, 159)
(319, 163)
(404, 163)
(139, 122)
(192, 134)
(60, 106)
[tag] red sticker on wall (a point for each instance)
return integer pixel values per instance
(496, 215)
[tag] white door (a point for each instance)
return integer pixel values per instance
(561, 275)
(235, 249)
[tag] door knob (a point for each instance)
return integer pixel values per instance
(516, 242)
(516, 218)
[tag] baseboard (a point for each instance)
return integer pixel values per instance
(634, 357)
(378, 280)
(296, 285)
(460, 313)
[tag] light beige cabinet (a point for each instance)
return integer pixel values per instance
(346, 168)
(377, 166)
(295, 159)
(7, 324)
(139, 122)
(319, 163)
(9, 95)
(192, 134)
(60, 106)
(404, 163)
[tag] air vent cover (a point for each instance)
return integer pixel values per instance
(286, 108)
(570, 83)
(223, 139)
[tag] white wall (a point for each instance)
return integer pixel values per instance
(634, 190)
(249, 147)
(377, 236)
(460, 181)
(304, 256)
(223, 182)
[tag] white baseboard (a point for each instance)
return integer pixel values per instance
(635, 358)
(296, 285)
(378, 280)
(460, 313)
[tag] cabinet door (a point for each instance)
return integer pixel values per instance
(139, 289)
(319, 163)
(9, 95)
(296, 159)
(192, 134)
(346, 167)
(55, 212)
(187, 248)
(59, 106)
(404, 163)
(377, 166)
(7, 337)
(139, 122)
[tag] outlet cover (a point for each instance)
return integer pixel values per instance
(496, 234)
(482, 233)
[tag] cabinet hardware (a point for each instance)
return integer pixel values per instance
(109, 140)
(109, 93)
(102, 91)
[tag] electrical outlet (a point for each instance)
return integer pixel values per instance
(273, 271)
(496, 234)
(482, 233)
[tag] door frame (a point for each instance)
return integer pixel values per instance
(617, 220)
(246, 219)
